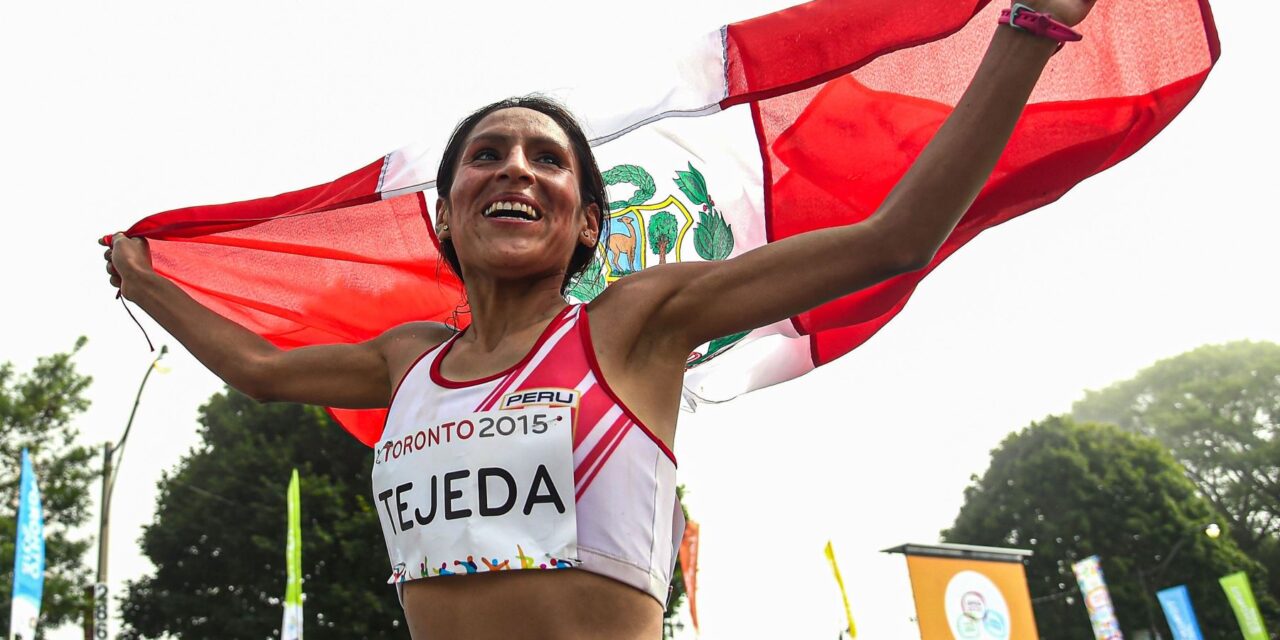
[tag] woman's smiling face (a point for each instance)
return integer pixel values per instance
(515, 208)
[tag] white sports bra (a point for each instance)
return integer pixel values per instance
(438, 489)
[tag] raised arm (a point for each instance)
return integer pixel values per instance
(353, 376)
(696, 302)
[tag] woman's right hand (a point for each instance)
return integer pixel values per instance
(126, 258)
(360, 375)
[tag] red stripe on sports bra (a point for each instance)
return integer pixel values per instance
(613, 446)
(556, 324)
(584, 330)
(498, 390)
(591, 407)
(588, 461)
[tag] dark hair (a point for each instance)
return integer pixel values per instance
(590, 182)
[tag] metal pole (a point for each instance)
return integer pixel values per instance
(104, 518)
(1157, 574)
(100, 600)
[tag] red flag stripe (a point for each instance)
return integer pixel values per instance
(358, 187)
(808, 44)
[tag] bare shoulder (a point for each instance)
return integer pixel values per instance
(403, 344)
(417, 331)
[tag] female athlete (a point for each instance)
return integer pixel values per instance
(540, 436)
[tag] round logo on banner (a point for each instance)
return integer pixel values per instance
(975, 608)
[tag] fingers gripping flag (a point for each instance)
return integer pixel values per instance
(770, 109)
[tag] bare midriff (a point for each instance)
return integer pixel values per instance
(568, 604)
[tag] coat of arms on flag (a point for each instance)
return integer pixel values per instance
(657, 225)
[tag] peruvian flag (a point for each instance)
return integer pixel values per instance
(795, 120)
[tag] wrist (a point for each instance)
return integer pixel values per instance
(1027, 18)
(1023, 46)
(1039, 6)
(139, 284)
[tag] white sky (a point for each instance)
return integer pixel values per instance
(114, 111)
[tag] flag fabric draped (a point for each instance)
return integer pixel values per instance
(28, 559)
(830, 552)
(291, 627)
(791, 121)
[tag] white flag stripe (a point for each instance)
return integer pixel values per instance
(679, 82)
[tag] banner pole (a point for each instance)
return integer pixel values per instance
(104, 518)
(1146, 603)
(100, 600)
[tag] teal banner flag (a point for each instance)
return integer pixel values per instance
(1176, 603)
(28, 559)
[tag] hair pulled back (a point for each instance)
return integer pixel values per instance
(590, 183)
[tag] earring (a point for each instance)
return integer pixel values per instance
(444, 227)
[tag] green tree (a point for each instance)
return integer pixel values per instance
(37, 411)
(1217, 409)
(218, 538)
(662, 234)
(671, 617)
(1068, 491)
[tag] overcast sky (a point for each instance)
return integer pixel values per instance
(114, 111)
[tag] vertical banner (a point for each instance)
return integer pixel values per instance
(1097, 600)
(1176, 603)
(28, 557)
(844, 596)
(971, 599)
(1241, 597)
(291, 628)
(689, 567)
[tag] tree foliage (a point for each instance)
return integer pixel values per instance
(37, 411)
(218, 539)
(671, 617)
(1068, 491)
(1217, 409)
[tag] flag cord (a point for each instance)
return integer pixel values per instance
(135, 321)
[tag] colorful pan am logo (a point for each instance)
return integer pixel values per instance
(975, 608)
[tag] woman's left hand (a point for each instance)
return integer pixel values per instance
(1068, 12)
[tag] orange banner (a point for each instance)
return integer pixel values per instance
(971, 599)
(689, 567)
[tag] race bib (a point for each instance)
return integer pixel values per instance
(490, 491)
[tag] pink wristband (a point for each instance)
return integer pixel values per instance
(1024, 18)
